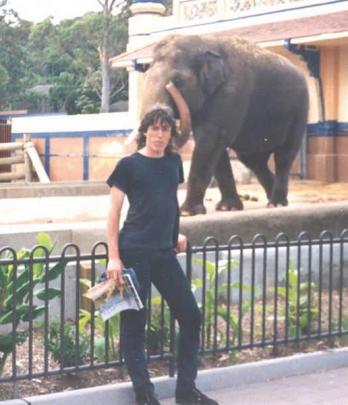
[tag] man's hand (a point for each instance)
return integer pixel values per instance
(114, 272)
(182, 243)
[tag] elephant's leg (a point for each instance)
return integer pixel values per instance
(283, 161)
(224, 177)
(208, 148)
(257, 162)
(279, 194)
(283, 158)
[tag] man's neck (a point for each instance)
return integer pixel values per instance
(151, 153)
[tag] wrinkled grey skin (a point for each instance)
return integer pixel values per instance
(241, 97)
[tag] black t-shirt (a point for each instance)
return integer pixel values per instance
(151, 187)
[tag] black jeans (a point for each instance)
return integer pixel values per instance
(163, 269)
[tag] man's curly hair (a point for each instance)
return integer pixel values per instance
(164, 115)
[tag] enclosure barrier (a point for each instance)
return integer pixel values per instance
(252, 295)
(28, 156)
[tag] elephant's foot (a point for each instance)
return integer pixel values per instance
(272, 204)
(187, 210)
(229, 205)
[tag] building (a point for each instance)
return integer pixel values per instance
(311, 33)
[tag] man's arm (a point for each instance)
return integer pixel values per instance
(115, 265)
(182, 243)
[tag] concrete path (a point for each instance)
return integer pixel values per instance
(301, 379)
(324, 388)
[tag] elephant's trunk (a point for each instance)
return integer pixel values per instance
(184, 114)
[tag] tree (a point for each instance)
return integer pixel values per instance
(70, 58)
(104, 49)
(13, 63)
(6, 14)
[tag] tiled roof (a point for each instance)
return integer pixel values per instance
(290, 29)
(298, 28)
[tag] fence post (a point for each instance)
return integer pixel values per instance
(27, 162)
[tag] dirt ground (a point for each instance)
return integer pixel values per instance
(59, 209)
(111, 375)
(300, 192)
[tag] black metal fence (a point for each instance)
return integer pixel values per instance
(258, 294)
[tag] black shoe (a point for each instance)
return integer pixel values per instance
(193, 397)
(146, 398)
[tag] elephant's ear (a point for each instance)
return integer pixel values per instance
(211, 72)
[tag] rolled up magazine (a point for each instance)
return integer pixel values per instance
(109, 300)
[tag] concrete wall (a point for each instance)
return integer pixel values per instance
(291, 220)
(265, 277)
(328, 145)
(269, 222)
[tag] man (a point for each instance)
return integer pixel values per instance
(148, 242)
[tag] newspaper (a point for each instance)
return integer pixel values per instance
(109, 301)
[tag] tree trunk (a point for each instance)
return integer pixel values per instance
(104, 57)
(105, 70)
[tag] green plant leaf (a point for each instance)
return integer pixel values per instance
(100, 324)
(281, 291)
(21, 254)
(84, 319)
(38, 268)
(54, 272)
(3, 278)
(48, 294)
(22, 278)
(44, 239)
(36, 312)
(99, 347)
(7, 343)
(21, 292)
(156, 300)
(210, 266)
(293, 278)
(8, 315)
(245, 307)
(245, 287)
(197, 283)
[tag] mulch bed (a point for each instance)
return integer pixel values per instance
(112, 375)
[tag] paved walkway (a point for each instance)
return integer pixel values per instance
(323, 388)
(317, 378)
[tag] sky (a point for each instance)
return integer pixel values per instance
(38, 10)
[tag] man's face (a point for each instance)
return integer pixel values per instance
(158, 136)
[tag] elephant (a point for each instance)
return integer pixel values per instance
(230, 93)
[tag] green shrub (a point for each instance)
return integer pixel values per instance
(211, 300)
(158, 331)
(301, 312)
(63, 344)
(15, 287)
(100, 341)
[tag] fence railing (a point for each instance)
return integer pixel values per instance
(27, 156)
(258, 294)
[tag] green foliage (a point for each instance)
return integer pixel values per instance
(66, 56)
(158, 329)
(345, 323)
(212, 300)
(101, 340)
(15, 293)
(13, 60)
(63, 346)
(301, 312)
